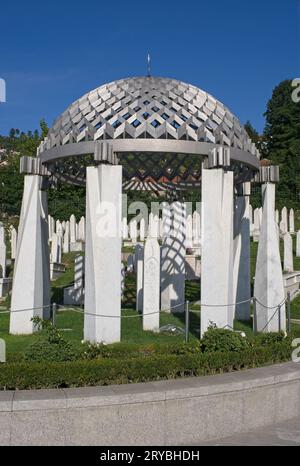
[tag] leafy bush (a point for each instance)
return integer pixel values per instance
(42, 350)
(50, 346)
(266, 339)
(107, 371)
(223, 340)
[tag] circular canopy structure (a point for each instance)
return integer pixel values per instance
(161, 130)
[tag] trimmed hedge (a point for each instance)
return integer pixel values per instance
(106, 371)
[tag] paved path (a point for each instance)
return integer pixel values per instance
(284, 434)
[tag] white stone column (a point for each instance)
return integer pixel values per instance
(173, 261)
(268, 288)
(288, 260)
(217, 249)
(151, 285)
(241, 245)
(139, 266)
(103, 254)
(31, 281)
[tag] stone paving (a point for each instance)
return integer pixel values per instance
(284, 434)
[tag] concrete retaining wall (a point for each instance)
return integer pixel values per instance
(161, 413)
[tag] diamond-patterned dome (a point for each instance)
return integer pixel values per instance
(148, 107)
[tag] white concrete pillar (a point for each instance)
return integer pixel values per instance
(31, 281)
(173, 261)
(241, 245)
(102, 320)
(268, 288)
(288, 260)
(139, 266)
(217, 249)
(151, 285)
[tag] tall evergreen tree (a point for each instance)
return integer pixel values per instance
(282, 141)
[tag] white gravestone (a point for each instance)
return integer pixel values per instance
(173, 261)
(151, 285)
(139, 262)
(288, 253)
(298, 244)
(2, 252)
(13, 242)
(292, 221)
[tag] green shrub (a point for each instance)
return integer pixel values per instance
(105, 371)
(51, 345)
(44, 350)
(266, 339)
(222, 340)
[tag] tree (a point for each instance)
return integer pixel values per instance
(252, 133)
(282, 141)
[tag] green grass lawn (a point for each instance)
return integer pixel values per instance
(71, 323)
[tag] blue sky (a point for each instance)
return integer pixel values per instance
(51, 53)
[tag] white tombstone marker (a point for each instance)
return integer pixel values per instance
(288, 253)
(2, 252)
(139, 260)
(268, 287)
(151, 285)
(298, 244)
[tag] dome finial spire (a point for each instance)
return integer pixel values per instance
(149, 65)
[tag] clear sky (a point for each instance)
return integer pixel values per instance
(51, 53)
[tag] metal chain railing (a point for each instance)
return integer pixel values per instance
(185, 305)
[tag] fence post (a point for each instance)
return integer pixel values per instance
(289, 311)
(54, 309)
(254, 316)
(187, 322)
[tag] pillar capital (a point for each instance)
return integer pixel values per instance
(219, 157)
(104, 154)
(267, 174)
(33, 166)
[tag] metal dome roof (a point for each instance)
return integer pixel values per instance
(148, 108)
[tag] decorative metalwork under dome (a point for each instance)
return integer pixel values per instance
(161, 130)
